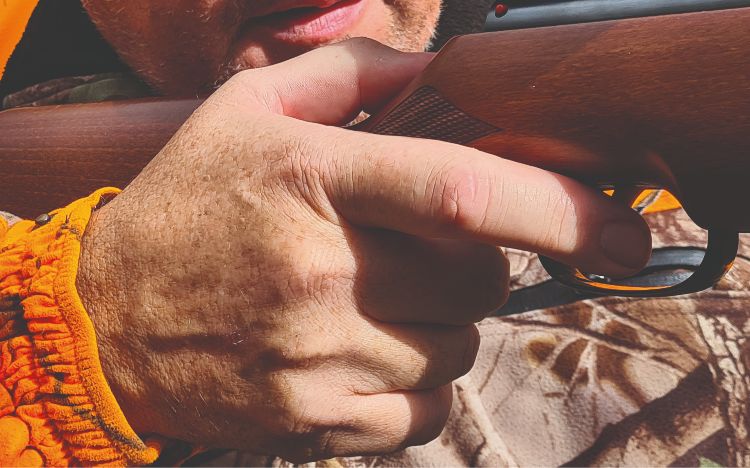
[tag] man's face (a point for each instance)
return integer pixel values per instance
(185, 46)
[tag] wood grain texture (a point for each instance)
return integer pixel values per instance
(49, 156)
(659, 101)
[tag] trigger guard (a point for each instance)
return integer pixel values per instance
(720, 253)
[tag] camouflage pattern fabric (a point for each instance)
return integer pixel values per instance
(78, 89)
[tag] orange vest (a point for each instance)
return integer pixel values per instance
(14, 15)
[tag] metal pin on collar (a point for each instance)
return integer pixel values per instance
(42, 219)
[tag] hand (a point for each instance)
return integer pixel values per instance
(274, 283)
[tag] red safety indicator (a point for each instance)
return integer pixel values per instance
(500, 10)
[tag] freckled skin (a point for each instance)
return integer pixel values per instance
(186, 46)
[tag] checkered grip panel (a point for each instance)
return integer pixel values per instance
(426, 114)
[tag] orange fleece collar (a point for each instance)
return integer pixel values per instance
(55, 405)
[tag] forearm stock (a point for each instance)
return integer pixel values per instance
(52, 155)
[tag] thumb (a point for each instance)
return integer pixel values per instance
(330, 85)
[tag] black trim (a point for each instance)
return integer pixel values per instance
(668, 265)
(720, 254)
(545, 295)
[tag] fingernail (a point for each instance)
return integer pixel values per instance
(626, 244)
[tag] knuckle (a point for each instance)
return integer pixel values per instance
(431, 420)
(298, 171)
(460, 199)
(452, 358)
(318, 276)
(563, 226)
(311, 432)
(254, 89)
(236, 87)
(306, 170)
(557, 209)
(298, 153)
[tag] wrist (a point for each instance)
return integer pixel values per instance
(98, 283)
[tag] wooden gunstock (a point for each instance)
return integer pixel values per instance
(49, 156)
(658, 101)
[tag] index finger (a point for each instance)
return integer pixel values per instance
(435, 189)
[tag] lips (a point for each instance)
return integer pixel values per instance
(284, 6)
(311, 23)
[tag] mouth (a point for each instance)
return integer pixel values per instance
(325, 21)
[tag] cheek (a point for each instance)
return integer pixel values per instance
(414, 23)
(193, 27)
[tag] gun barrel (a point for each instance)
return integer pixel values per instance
(523, 14)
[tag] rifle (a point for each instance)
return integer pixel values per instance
(645, 94)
